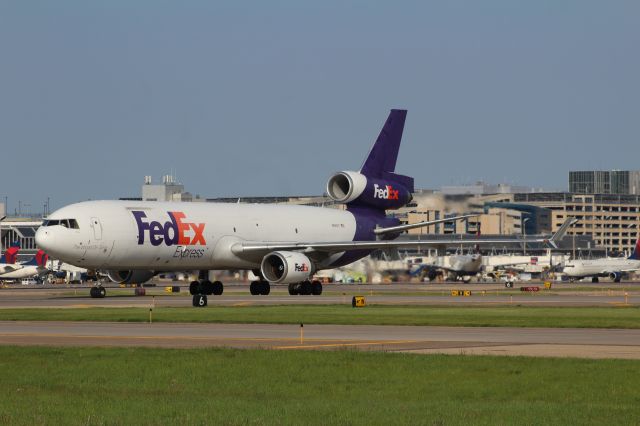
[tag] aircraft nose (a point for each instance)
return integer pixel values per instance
(45, 239)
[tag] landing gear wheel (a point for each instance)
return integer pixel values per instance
(316, 288)
(218, 288)
(200, 301)
(306, 288)
(595, 280)
(265, 288)
(194, 288)
(206, 287)
(254, 288)
(293, 289)
(98, 292)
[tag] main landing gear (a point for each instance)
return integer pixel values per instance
(306, 288)
(203, 287)
(259, 288)
(97, 292)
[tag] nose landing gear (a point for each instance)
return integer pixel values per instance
(97, 292)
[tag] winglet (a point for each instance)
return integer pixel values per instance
(560, 233)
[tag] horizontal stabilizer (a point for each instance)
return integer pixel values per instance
(401, 228)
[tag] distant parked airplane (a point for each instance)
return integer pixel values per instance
(34, 267)
(605, 267)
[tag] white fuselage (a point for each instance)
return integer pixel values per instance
(461, 264)
(599, 267)
(23, 271)
(129, 235)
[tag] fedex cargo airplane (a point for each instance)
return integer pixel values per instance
(134, 240)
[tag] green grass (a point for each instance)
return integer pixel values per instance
(516, 316)
(88, 386)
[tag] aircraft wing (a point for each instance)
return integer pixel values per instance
(621, 270)
(402, 228)
(339, 246)
(334, 247)
(6, 268)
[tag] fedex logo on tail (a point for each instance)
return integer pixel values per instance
(386, 193)
(175, 231)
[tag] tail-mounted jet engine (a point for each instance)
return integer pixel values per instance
(286, 267)
(389, 192)
(130, 277)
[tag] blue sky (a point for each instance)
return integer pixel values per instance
(270, 98)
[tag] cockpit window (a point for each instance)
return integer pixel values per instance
(67, 223)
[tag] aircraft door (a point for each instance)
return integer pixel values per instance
(97, 228)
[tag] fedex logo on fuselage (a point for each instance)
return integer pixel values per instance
(175, 231)
(386, 193)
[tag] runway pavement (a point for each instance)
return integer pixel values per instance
(236, 294)
(396, 294)
(587, 343)
(590, 343)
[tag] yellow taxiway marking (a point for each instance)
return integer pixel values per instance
(330, 345)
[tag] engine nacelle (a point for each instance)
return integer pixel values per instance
(615, 276)
(345, 187)
(130, 277)
(355, 188)
(286, 267)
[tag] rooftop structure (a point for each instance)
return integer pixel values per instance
(482, 188)
(604, 182)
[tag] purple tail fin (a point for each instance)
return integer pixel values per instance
(384, 153)
(381, 161)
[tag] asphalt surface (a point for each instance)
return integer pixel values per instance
(237, 294)
(590, 343)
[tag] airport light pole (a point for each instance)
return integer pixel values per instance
(606, 241)
(524, 235)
